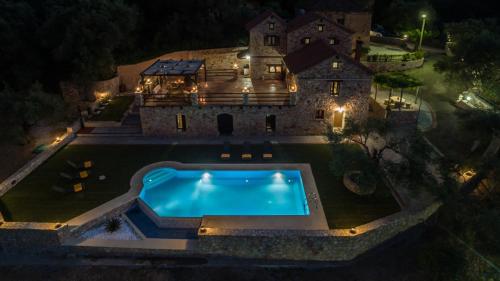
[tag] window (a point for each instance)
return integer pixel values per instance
(341, 21)
(180, 120)
(274, 68)
(271, 26)
(270, 123)
(321, 27)
(320, 114)
(335, 88)
(333, 41)
(271, 40)
(336, 65)
(306, 40)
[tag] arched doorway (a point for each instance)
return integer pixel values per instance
(225, 124)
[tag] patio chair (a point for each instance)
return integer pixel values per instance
(408, 105)
(84, 165)
(80, 175)
(246, 153)
(268, 151)
(226, 151)
(75, 188)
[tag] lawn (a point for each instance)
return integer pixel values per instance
(115, 110)
(33, 200)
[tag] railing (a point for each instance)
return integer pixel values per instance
(205, 99)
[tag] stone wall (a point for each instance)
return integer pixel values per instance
(337, 245)
(359, 22)
(295, 38)
(394, 65)
(25, 237)
(34, 163)
(223, 58)
(78, 96)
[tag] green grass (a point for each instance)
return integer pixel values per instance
(115, 109)
(33, 200)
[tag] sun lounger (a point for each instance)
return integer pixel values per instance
(75, 188)
(84, 165)
(246, 154)
(80, 175)
(268, 150)
(226, 152)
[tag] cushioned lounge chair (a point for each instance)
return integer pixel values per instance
(268, 150)
(246, 154)
(226, 151)
(84, 165)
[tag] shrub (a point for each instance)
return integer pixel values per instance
(113, 225)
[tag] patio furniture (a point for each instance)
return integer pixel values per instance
(80, 175)
(246, 154)
(75, 188)
(85, 165)
(408, 105)
(226, 151)
(268, 151)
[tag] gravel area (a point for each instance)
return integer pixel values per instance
(125, 232)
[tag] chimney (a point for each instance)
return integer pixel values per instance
(358, 51)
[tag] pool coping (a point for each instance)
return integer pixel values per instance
(316, 220)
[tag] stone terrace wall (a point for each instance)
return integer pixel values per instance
(394, 65)
(25, 237)
(223, 58)
(337, 245)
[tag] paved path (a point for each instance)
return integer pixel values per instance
(193, 141)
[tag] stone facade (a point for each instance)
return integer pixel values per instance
(342, 37)
(313, 95)
(359, 22)
(313, 103)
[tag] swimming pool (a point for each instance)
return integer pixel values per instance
(196, 193)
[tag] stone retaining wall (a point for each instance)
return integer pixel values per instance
(29, 167)
(338, 245)
(26, 237)
(223, 58)
(394, 65)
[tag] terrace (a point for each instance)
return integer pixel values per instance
(34, 200)
(185, 83)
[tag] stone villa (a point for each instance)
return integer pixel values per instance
(300, 77)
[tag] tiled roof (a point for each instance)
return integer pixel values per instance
(313, 54)
(260, 18)
(307, 18)
(339, 6)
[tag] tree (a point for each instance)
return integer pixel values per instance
(84, 35)
(23, 109)
(476, 60)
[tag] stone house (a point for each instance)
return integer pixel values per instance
(303, 80)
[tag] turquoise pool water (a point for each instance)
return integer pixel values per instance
(196, 193)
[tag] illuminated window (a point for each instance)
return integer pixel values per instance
(336, 65)
(271, 40)
(306, 40)
(332, 41)
(274, 68)
(321, 27)
(181, 122)
(271, 26)
(335, 88)
(320, 114)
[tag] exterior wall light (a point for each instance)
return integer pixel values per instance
(247, 57)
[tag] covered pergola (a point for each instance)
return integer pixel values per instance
(165, 76)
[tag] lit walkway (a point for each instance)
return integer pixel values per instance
(138, 140)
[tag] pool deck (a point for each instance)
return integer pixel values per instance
(316, 220)
(143, 140)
